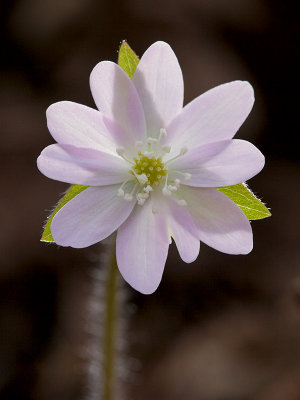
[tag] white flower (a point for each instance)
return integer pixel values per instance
(152, 166)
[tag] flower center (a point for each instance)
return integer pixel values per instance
(148, 170)
(152, 167)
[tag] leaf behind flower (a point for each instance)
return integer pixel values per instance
(243, 197)
(127, 59)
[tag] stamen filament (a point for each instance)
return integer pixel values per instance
(166, 191)
(129, 196)
(186, 175)
(182, 152)
(121, 152)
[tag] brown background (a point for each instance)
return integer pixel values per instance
(222, 328)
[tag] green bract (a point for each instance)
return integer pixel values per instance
(252, 207)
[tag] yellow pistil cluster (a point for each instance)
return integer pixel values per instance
(153, 168)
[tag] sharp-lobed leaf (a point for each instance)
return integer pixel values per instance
(127, 59)
(240, 194)
(73, 191)
(252, 207)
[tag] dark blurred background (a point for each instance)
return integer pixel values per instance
(222, 328)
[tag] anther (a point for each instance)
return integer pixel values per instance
(166, 149)
(141, 198)
(172, 188)
(128, 196)
(148, 189)
(151, 140)
(120, 151)
(148, 154)
(181, 202)
(121, 192)
(141, 178)
(183, 150)
(162, 133)
(154, 210)
(138, 144)
(166, 191)
(187, 176)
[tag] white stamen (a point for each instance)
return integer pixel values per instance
(121, 192)
(142, 195)
(166, 149)
(181, 202)
(138, 144)
(141, 198)
(148, 154)
(151, 140)
(182, 151)
(128, 196)
(154, 210)
(121, 152)
(148, 189)
(187, 176)
(162, 134)
(166, 191)
(172, 188)
(141, 178)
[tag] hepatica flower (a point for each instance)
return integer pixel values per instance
(152, 166)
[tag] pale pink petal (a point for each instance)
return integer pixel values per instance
(81, 126)
(159, 82)
(90, 217)
(221, 223)
(183, 229)
(71, 164)
(115, 95)
(142, 248)
(215, 115)
(222, 163)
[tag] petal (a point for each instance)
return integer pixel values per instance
(81, 166)
(78, 125)
(220, 164)
(214, 116)
(142, 248)
(90, 217)
(183, 229)
(115, 95)
(159, 82)
(221, 223)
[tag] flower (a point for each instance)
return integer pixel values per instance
(152, 166)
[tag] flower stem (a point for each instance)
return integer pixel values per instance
(110, 328)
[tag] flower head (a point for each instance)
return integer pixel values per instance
(152, 166)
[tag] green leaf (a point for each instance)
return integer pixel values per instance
(252, 207)
(127, 60)
(70, 194)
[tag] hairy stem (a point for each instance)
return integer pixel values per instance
(110, 328)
